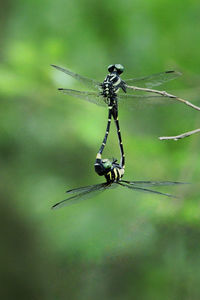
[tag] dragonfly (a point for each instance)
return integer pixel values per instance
(113, 173)
(113, 91)
(106, 94)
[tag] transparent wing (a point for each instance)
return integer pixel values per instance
(154, 79)
(142, 100)
(83, 193)
(86, 188)
(152, 183)
(146, 190)
(93, 97)
(91, 83)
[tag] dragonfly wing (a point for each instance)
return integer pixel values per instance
(154, 79)
(82, 194)
(142, 100)
(146, 190)
(93, 97)
(91, 83)
(86, 188)
(152, 183)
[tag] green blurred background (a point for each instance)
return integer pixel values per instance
(120, 244)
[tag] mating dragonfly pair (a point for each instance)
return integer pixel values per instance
(110, 93)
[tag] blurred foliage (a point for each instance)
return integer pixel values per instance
(121, 244)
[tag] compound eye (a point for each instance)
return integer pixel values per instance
(111, 68)
(107, 163)
(119, 68)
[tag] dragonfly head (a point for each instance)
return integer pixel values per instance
(102, 166)
(107, 163)
(119, 69)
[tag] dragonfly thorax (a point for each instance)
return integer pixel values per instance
(112, 171)
(115, 174)
(111, 85)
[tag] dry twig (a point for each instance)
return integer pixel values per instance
(164, 94)
(180, 136)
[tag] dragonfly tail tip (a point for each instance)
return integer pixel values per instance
(170, 71)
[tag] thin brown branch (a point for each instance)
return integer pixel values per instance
(164, 94)
(180, 136)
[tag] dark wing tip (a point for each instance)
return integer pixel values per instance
(54, 66)
(55, 206)
(173, 71)
(60, 89)
(69, 191)
(178, 182)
